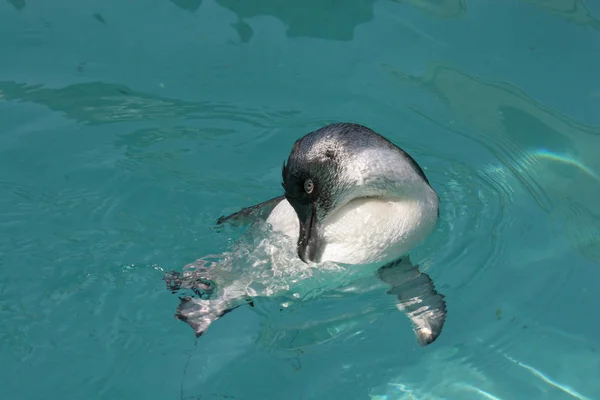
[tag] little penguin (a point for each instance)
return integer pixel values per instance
(352, 198)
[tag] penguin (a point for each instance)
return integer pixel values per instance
(354, 204)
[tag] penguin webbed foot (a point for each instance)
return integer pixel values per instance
(200, 302)
(200, 314)
(417, 298)
(197, 315)
(197, 281)
(173, 281)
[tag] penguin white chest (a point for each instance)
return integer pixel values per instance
(365, 230)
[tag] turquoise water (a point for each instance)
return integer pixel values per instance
(128, 128)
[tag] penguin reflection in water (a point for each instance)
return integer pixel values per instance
(354, 205)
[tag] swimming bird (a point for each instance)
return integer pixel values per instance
(352, 200)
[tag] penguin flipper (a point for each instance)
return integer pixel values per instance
(252, 213)
(416, 297)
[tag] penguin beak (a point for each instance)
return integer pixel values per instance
(309, 233)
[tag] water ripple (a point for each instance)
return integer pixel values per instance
(491, 206)
(529, 143)
(476, 215)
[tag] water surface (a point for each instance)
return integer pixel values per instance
(128, 128)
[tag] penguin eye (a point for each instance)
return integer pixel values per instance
(309, 186)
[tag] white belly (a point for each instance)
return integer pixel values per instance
(365, 231)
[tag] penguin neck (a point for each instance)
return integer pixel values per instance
(368, 230)
(383, 173)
